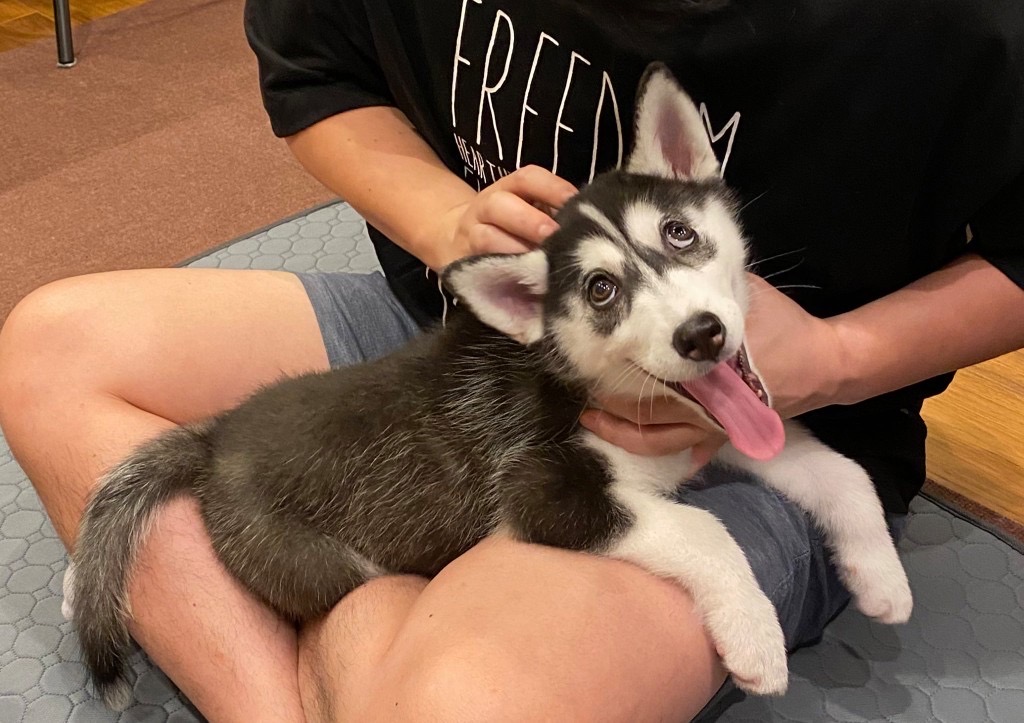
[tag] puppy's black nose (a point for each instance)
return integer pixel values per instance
(700, 338)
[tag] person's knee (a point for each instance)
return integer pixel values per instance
(43, 332)
(475, 680)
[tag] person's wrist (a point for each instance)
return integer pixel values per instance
(437, 246)
(819, 379)
(846, 348)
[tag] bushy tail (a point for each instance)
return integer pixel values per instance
(114, 525)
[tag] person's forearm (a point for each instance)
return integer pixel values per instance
(375, 160)
(963, 314)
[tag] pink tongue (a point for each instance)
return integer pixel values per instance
(753, 428)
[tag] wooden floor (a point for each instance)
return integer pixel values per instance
(976, 435)
(976, 440)
(25, 21)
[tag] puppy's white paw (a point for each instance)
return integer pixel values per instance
(752, 646)
(879, 586)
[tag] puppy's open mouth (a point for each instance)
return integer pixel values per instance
(733, 395)
(740, 364)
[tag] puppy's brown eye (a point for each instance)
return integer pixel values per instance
(678, 235)
(601, 290)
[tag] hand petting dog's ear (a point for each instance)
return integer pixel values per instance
(511, 216)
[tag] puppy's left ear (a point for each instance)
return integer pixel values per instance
(669, 136)
(505, 291)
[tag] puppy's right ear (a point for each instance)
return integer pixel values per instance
(670, 140)
(505, 291)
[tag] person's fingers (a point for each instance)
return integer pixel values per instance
(703, 452)
(538, 185)
(488, 239)
(512, 214)
(659, 410)
(650, 440)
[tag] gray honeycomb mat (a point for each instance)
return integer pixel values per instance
(959, 660)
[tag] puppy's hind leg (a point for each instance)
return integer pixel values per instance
(841, 499)
(692, 547)
(294, 568)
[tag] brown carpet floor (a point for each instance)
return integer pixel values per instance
(153, 148)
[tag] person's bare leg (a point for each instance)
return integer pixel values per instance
(340, 654)
(92, 366)
(513, 632)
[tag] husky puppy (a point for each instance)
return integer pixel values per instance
(318, 483)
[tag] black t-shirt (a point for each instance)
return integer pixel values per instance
(870, 139)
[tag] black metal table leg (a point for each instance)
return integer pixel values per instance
(65, 43)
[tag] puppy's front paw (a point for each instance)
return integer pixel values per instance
(752, 646)
(879, 586)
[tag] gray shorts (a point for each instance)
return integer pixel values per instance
(360, 319)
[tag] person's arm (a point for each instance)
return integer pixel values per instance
(374, 159)
(964, 314)
(326, 92)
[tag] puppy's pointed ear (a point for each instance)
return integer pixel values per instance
(505, 291)
(669, 136)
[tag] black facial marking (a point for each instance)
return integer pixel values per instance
(605, 320)
(569, 283)
(614, 193)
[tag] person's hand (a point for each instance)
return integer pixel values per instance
(798, 356)
(666, 425)
(511, 216)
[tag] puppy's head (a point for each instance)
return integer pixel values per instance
(647, 264)
(641, 291)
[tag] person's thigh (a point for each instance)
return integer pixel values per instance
(92, 365)
(525, 633)
(359, 317)
(179, 343)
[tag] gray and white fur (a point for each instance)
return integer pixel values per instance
(319, 483)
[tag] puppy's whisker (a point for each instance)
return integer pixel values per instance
(640, 399)
(751, 202)
(654, 385)
(784, 271)
(757, 262)
(651, 408)
(624, 375)
(798, 286)
(628, 377)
